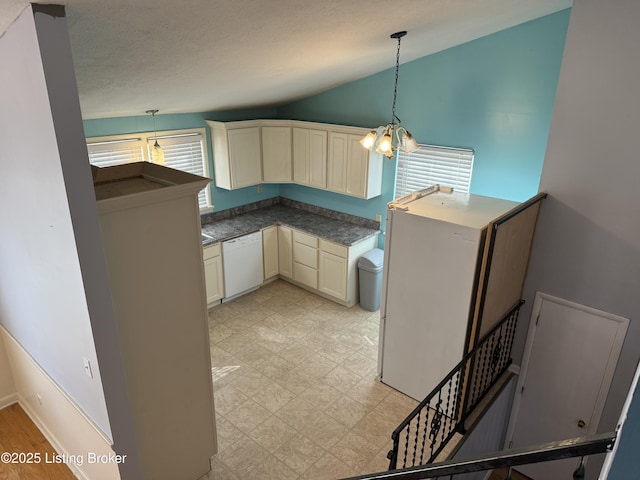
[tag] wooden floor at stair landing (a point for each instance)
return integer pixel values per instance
(18, 434)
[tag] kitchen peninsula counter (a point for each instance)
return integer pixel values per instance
(328, 225)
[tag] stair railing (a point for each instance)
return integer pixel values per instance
(573, 448)
(422, 436)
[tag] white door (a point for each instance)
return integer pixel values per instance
(568, 363)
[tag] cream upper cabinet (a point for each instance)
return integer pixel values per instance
(310, 157)
(352, 169)
(270, 251)
(277, 164)
(237, 154)
(317, 155)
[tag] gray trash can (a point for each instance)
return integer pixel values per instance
(370, 272)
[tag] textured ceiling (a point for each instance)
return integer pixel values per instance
(206, 55)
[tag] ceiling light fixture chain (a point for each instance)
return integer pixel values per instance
(157, 155)
(388, 138)
(399, 36)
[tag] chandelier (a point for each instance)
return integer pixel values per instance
(388, 138)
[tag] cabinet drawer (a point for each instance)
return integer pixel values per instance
(305, 239)
(334, 248)
(305, 275)
(305, 254)
(211, 251)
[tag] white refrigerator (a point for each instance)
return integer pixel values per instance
(432, 257)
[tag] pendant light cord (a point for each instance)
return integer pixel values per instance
(399, 36)
(155, 132)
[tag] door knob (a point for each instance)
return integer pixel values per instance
(581, 424)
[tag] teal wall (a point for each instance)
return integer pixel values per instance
(625, 463)
(494, 95)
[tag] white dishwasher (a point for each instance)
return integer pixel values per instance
(242, 264)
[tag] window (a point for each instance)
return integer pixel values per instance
(431, 165)
(183, 150)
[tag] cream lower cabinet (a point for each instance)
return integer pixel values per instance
(305, 259)
(333, 269)
(328, 268)
(213, 273)
(270, 252)
(338, 270)
(285, 251)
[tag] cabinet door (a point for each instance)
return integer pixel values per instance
(306, 275)
(317, 158)
(332, 275)
(285, 251)
(301, 163)
(356, 168)
(270, 251)
(352, 169)
(337, 163)
(276, 154)
(310, 157)
(214, 279)
(245, 156)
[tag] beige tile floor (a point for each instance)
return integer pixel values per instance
(295, 390)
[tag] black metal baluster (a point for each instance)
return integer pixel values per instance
(393, 454)
(446, 415)
(424, 434)
(436, 423)
(415, 444)
(486, 364)
(504, 333)
(406, 447)
(462, 385)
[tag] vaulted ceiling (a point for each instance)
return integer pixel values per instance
(207, 55)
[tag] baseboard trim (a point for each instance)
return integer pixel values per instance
(9, 400)
(69, 431)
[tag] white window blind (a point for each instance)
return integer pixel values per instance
(430, 165)
(183, 150)
(115, 152)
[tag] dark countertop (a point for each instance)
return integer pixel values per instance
(333, 230)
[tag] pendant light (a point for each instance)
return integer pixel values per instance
(388, 138)
(157, 155)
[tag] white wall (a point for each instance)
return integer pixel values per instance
(54, 292)
(587, 246)
(42, 298)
